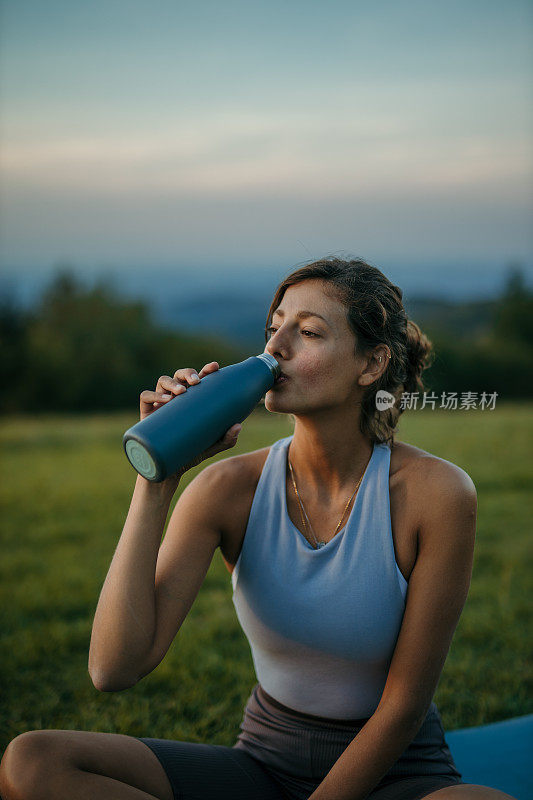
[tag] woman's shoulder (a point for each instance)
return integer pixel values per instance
(429, 485)
(240, 472)
(423, 467)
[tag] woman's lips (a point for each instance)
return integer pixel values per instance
(280, 379)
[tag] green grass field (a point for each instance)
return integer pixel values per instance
(65, 490)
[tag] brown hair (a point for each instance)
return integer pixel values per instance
(376, 315)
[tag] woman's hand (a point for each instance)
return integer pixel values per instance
(167, 388)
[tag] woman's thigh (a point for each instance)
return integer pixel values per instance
(164, 768)
(213, 772)
(40, 757)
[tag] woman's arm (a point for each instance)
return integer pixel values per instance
(150, 586)
(437, 591)
(124, 621)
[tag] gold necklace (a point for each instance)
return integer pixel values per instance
(302, 509)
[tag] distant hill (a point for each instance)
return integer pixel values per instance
(234, 305)
(240, 318)
(237, 317)
(89, 348)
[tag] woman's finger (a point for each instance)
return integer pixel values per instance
(168, 384)
(148, 397)
(211, 367)
(187, 377)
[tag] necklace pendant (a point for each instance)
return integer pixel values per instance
(321, 544)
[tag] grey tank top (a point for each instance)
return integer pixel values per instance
(322, 624)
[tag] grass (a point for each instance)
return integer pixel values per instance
(65, 491)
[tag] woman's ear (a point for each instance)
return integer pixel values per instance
(374, 366)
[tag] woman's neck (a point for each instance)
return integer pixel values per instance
(328, 459)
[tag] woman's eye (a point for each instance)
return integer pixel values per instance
(272, 330)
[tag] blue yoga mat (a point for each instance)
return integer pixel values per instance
(499, 755)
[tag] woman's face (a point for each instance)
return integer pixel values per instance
(311, 339)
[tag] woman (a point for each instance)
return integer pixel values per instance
(351, 557)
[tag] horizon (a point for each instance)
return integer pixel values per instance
(161, 286)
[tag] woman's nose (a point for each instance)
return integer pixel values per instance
(275, 346)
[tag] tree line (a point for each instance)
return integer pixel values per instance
(87, 349)
(83, 349)
(496, 358)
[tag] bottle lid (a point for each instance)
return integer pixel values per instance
(274, 366)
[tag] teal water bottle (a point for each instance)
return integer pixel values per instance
(175, 433)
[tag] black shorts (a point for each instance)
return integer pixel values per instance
(281, 754)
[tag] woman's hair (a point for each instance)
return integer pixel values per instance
(376, 315)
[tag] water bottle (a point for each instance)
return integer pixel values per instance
(175, 433)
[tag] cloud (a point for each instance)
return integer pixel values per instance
(237, 152)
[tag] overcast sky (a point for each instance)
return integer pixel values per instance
(256, 133)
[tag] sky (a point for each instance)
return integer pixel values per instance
(258, 135)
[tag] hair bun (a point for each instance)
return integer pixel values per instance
(420, 356)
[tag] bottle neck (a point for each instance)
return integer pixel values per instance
(271, 363)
